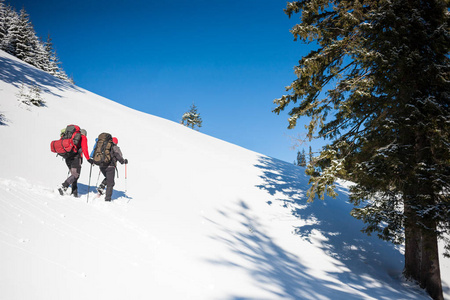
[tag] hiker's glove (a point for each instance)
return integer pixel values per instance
(125, 161)
(91, 161)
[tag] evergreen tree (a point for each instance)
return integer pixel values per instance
(61, 74)
(18, 38)
(30, 95)
(54, 64)
(53, 61)
(41, 57)
(301, 158)
(8, 24)
(3, 30)
(25, 41)
(192, 118)
(377, 87)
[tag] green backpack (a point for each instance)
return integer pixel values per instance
(102, 150)
(67, 145)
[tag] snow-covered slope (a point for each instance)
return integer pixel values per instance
(196, 217)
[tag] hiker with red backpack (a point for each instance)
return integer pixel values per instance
(71, 146)
(106, 153)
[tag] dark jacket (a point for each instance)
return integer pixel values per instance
(116, 156)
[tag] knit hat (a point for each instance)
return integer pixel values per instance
(83, 132)
(115, 140)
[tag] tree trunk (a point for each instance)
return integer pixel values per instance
(422, 254)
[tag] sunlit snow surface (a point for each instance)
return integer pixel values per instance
(195, 217)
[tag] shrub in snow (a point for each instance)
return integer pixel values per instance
(30, 95)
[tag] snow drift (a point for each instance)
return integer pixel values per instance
(196, 217)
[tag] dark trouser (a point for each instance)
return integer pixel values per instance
(109, 173)
(74, 165)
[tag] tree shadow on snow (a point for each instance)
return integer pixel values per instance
(275, 270)
(368, 265)
(18, 73)
(330, 218)
(2, 120)
(83, 190)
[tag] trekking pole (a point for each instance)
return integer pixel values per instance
(126, 177)
(89, 185)
(98, 178)
(126, 189)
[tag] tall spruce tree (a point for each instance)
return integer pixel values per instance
(53, 61)
(8, 23)
(25, 40)
(54, 65)
(377, 86)
(3, 30)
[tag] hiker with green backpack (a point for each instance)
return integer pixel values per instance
(106, 153)
(71, 146)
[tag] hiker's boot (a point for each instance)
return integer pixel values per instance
(62, 189)
(101, 189)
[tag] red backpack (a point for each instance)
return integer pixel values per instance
(67, 145)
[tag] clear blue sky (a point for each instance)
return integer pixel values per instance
(232, 58)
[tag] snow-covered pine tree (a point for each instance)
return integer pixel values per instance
(54, 64)
(192, 118)
(61, 74)
(377, 87)
(25, 41)
(42, 62)
(35, 96)
(8, 22)
(3, 30)
(17, 37)
(53, 61)
(30, 95)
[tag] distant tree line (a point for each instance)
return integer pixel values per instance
(303, 159)
(18, 38)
